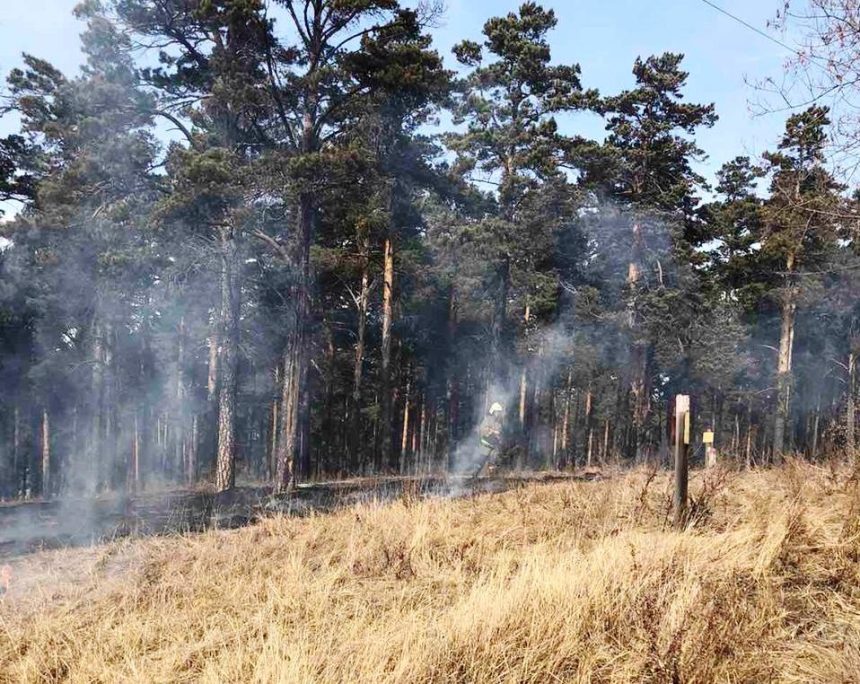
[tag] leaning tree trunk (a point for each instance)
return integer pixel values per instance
(225, 470)
(783, 375)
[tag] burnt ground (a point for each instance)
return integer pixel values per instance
(33, 526)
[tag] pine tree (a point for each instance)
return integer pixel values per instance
(798, 238)
(508, 103)
(645, 169)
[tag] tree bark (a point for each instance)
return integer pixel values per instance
(275, 424)
(589, 427)
(565, 421)
(91, 471)
(362, 304)
(850, 421)
(404, 441)
(180, 434)
(293, 453)
(191, 473)
(46, 454)
(524, 377)
(225, 474)
(387, 425)
(500, 314)
(134, 469)
(783, 375)
(285, 462)
(452, 385)
(422, 436)
(748, 446)
(815, 426)
(639, 351)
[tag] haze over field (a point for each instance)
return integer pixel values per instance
(262, 259)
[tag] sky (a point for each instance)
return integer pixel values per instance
(603, 36)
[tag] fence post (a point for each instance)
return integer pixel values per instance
(682, 439)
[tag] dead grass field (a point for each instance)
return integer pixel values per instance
(571, 582)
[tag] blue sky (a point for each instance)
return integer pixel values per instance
(603, 36)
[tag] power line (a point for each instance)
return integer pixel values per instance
(752, 28)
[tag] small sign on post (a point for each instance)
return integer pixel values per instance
(682, 439)
(710, 451)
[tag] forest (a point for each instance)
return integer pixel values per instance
(292, 241)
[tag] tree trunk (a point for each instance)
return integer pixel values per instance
(275, 425)
(404, 441)
(293, 452)
(524, 377)
(46, 454)
(328, 436)
(452, 385)
(639, 351)
(500, 314)
(748, 446)
(589, 428)
(783, 376)
(228, 366)
(285, 462)
(362, 304)
(606, 442)
(422, 435)
(850, 422)
(387, 425)
(815, 426)
(191, 472)
(565, 421)
(92, 472)
(134, 469)
(209, 440)
(180, 433)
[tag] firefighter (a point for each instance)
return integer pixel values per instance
(491, 437)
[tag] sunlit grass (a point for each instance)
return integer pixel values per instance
(558, 582)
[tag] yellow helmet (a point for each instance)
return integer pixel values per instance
(495, 407)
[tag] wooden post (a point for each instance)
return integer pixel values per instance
(710, 449)
(682, 428)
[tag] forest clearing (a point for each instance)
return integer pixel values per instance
(566, 581)
(394, 341)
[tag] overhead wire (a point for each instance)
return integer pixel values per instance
(753, 28)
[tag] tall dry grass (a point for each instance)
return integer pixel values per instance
(572, 582)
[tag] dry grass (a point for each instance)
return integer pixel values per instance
(574, 582)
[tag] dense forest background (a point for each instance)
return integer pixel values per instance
(296, 246)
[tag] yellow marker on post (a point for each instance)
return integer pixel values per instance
(708, 437)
